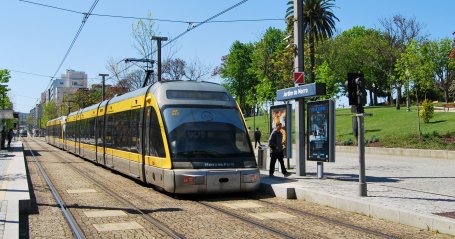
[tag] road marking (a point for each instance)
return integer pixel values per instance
(105, 213)
(242, 205)
(84, 190)
(117, 226)
(271, 215)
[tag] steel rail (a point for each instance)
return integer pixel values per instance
(248, 220)
(66, 213)
(119, 198)
(329, 220)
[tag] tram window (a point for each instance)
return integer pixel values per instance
(156, 147)
(100, 127)
(81, 130)
(135, 129)
(109, 128)
(120, 131)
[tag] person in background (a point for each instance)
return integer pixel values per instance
(10, 137)
(257, 137)
(276, 150)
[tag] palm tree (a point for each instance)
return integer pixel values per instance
(318, 22)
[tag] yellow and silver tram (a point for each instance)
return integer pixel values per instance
(182, 136)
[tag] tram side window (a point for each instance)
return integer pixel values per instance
(135, 129)
(99, 130)
(91, 131)
(156, 146)
(68, 131)
(59, 131)
(109, 128)
(81, 124)
(121, 131)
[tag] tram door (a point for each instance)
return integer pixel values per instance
(109, 140)
(135, 162)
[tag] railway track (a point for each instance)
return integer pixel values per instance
(293, 211)
(76, 229)
(275, 229)
(331, 221)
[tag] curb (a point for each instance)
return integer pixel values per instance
(426, 153)
(410, 218)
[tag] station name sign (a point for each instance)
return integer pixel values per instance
(308, 90)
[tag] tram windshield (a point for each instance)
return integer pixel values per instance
(208, 138)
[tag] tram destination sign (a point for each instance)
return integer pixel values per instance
(308, 90)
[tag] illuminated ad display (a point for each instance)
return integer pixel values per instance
(321, 131)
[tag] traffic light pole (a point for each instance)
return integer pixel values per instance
(361, 143)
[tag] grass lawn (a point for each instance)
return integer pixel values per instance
(387, 127)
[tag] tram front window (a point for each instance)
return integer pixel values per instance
(208, 138)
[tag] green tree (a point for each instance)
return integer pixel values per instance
(324, 74)
(49, 112)
(4, 78)
(416, 66)
(272, 64)
(318, 23)
(235, 70)
(85, 98)
(357, 50)
(399, 31)
(444, 65)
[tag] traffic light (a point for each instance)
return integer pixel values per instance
(355, 88)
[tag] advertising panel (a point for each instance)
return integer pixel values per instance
(278, 113)
(321, 131)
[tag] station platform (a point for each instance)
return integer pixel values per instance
(14, 189)
(409, 188)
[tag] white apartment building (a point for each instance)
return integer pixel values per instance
(68, 83)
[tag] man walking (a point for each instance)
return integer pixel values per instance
(257, 137)
(10, 137)
(276, 150)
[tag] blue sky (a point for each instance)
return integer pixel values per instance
(34, 39)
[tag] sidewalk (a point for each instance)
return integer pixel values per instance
(416, 191)
(14, 191)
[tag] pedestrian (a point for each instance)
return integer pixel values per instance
(257, 137)
(276, 150)
(10, 137)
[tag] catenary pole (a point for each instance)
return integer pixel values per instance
(158, 42)
(103, 89)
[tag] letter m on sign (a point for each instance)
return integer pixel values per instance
(299, 78)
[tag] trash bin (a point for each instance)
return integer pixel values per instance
(262, 157)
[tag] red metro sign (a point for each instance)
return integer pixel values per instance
(299, 77)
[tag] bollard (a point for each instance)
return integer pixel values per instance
(262, 157)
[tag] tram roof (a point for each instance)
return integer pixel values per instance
(159, 90)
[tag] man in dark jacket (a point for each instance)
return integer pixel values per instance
(276, 150)
(10, 137)
(257, 137)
